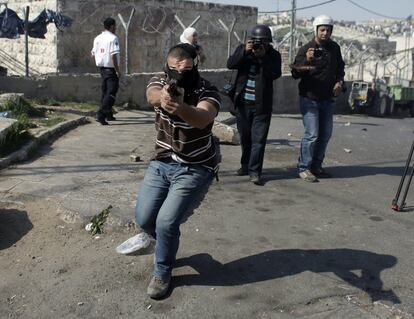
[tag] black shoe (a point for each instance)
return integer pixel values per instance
(321, 173)
(256, 179)
(242, 171)
(111, 118)
(103, 122)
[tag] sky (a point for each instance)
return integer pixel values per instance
(338, 9)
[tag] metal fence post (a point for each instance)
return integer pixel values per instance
(126, 27)
(26, 39)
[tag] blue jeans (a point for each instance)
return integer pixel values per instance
(318, 123)
(169, 192)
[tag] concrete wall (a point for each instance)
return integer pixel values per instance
(87, 88)
(153, 30)
(42, 52)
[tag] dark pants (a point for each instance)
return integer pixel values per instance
(253, 129)
(110, 85)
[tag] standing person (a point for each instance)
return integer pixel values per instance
(257, 65)
(185, 161)
(190, 36)
(320, 67)
(107, 57)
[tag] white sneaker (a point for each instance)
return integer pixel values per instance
(138, 242)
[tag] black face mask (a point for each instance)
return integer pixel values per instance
(186, 79)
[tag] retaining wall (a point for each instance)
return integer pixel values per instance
(87, 87)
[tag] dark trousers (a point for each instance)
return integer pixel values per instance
(253, 129)
(110, 85)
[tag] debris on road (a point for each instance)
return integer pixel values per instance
(347, 124)
(134, 158)
(10, 300)
(99, 220)
(347, 150)
(88, 227)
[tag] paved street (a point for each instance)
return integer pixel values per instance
(288, 249)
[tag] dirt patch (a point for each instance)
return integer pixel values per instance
(51, 269)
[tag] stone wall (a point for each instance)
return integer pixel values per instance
(86, 87)
(153, 30)
(42, 52)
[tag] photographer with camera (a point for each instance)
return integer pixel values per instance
(320, 67)
(258, 64)
(184, 164)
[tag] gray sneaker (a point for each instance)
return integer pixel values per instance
(307, 176)
(158, 288)
(256, 179)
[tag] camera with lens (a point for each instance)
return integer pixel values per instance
(257, 43)
(318, 53)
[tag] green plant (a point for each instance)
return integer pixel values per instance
(45, 101)
(99, 220)
(20, 107)
(15, 136)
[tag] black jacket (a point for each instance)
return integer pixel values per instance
(329, 69)
(269, 70)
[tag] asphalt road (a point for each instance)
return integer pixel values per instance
(288, 249)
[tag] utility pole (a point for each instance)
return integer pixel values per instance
(292, 32)
(277, 13)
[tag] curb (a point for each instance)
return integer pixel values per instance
(26, 151)
(66, 110)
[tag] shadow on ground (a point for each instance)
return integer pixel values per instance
(14, 224)
(273, 264)
(360, 170)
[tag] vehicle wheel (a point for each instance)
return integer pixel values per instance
(355, 107)
(391, 105)
(411, 108)
(351, 107)
(383, 106)
(379, 107)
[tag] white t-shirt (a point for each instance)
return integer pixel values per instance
(105, 46)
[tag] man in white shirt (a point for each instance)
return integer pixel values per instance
(106, 52)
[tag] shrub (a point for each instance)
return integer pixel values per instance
(15, 136)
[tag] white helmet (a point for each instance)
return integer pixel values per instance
(321, 20)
